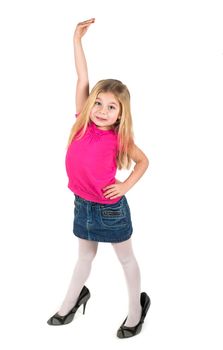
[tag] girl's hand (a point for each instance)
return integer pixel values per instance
(115, 190)
(81, 28)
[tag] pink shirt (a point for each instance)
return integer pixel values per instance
(91, 164)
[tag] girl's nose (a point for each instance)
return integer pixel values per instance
(103, 110)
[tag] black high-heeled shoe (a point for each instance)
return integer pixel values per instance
(127, 332)
(58, 320)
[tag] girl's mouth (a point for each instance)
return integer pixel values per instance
(100, 118)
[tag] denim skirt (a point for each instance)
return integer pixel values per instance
(102, 222)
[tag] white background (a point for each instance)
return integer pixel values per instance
(169, 53)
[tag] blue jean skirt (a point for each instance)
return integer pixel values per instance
(102, 222)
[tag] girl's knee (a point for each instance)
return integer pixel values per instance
(88, 257)
(124, 252)
(126, 260)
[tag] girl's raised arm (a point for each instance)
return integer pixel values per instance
(82, 87)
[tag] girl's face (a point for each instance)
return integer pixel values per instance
(105, 111)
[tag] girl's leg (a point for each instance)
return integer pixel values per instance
(86, 254)
(130, 266)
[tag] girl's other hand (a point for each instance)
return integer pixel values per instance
(81, 28)
(115, 190)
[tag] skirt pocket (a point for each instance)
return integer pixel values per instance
(113, 216)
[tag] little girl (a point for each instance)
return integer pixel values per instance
(101, 140)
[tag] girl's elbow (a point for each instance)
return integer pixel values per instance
(146, 162)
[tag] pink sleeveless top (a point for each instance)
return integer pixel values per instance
(91, 164)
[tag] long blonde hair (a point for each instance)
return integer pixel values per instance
(123, 126)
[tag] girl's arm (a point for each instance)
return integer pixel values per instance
(142, 163)
(120, 188)
(82, 87)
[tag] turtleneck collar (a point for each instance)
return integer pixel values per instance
(100, 131)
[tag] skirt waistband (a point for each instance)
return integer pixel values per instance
(80, 199)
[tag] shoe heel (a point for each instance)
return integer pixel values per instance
(84, 306)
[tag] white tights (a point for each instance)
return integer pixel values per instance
(86, 254)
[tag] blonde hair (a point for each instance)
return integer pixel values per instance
(123, 126)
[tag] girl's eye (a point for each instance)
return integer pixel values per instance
(97, 103)
(111, 107)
